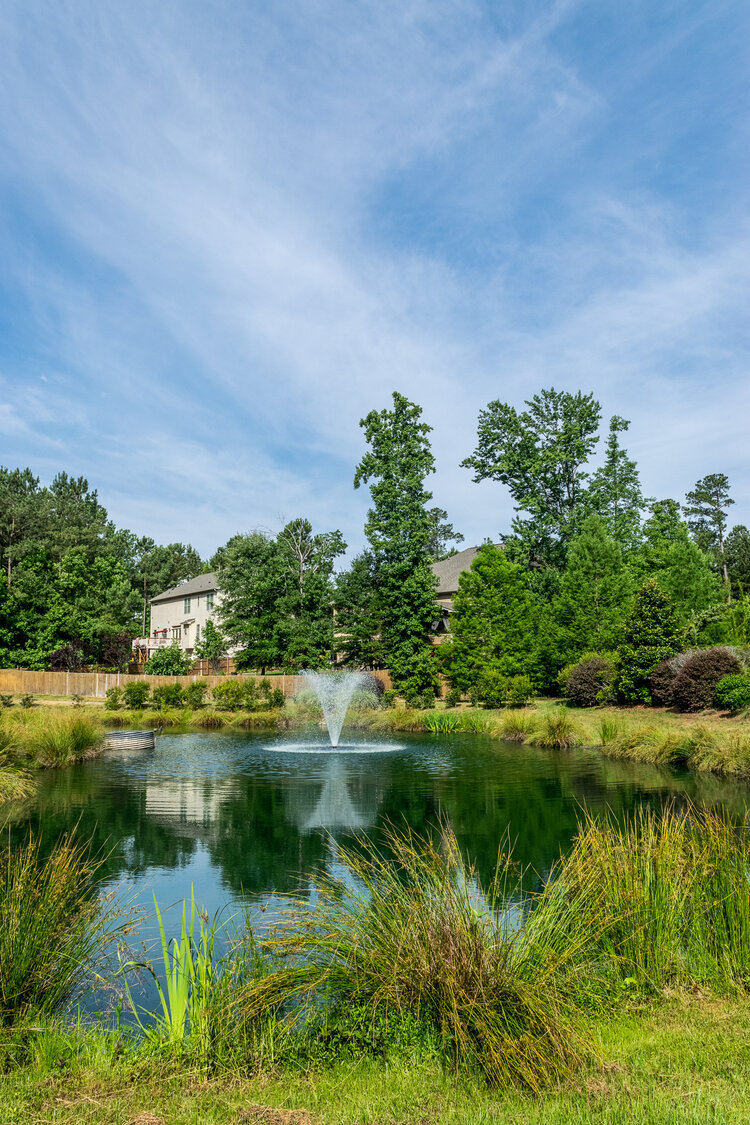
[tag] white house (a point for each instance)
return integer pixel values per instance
(180, 614)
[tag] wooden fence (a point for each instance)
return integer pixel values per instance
(94, 684)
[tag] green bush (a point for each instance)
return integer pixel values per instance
(136, 694)
(732, 693)
(695, 683)
(650, 634)
(113, 697)
(590, 681)
(520, 691)
(492, 688)
(27, 701)
(229, 696)
(194, 694)
(167, 695)
(6, 700)
(453, 697)
(389, 698)
(171, 661)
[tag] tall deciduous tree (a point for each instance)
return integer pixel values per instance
(304, 610)
(706, 510)
(493, 620)
(399, 529)
(595, 593)
(359, 639)
(212, 646)
(249, 580)
(682, 570)
(540, 454)
(615, 492)
(443, 533)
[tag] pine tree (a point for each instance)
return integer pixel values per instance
(595, 595)
(400, 529)
(615, 492)
(650, 635)
(706, 509)
(493, 620)
(737, 546)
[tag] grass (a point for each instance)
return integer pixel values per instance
(53, 927)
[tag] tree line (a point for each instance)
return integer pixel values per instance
(563, 582)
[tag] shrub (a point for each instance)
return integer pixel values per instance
(276, 698)
(27, 701)
(694, 685)
(194, 694)
(732, 693)
(76, 699)
(661, 681)
(453, 697)
(364, 700)
(113, 697)
(171, 661)
(492, 688)
(229, 696)
(136, 694)
(590, 681)
(650, 635)
(426, 701)
(6, 700)
(167, 695)
(520, 691)
(389, 698)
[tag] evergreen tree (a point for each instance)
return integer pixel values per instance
(400, 529)
(493, 621)
(706, 509)
(358, 618)
(737, 552)
(540, 454)
(650, 635)
(595, 593)
(682, 570)
(616, 490)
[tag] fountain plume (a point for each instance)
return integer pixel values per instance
(334, 691)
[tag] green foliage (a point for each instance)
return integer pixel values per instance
(229, 696)
(443, 533)
(6, 700)
(589, 682)
(595, 592)
(113, 698)
(557, 730)
(737, 555)
(694, 685)
(493, 621)
(194, 694)
(706, 510)
(61, 739)
(650, 635)
(169, 661)
(497, 690)
(167, 695)
(540, 455)
(358, 624)
(732, 693)
(212, 646)
(680, 567)
(400, 532)
(136, 694)
(54, 927)
(27, 700)
(453, 697)
(615, 492)
(389, 697)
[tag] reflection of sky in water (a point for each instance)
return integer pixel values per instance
(246, 824)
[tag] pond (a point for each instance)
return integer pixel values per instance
(246, 817)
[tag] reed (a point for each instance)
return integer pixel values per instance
(53, 926)
(409, 932)
(518, 726)
(59, 740)
(557, 730)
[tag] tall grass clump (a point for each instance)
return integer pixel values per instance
(517, 726)
(442, 722)
(58, 740)
(557, 730)
(409, 933)
(53, 926)
(674, 887)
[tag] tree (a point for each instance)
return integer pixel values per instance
(170, 661)
(595, 593)
(304, 610)
(616, 490)
(651, 634)
(493, 621)
(358, 638)
(443, 533)
(211, 647)
(540, 455)
(737, 554)
(682, 570)
(250, 584)
(400, 531)
(706, 509)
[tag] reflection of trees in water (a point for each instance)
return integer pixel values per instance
(267, 831)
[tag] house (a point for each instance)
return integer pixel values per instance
(180, 614)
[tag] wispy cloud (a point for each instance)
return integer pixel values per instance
(230, 232)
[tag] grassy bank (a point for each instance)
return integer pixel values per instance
(409, 993)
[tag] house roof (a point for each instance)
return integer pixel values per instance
(448, 570)
(201, 584)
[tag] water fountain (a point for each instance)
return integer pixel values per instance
(334, 691)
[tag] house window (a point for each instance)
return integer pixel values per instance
(186, 605)
(209, 601)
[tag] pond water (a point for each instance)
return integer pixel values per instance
(246, 817)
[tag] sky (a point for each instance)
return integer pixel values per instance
(228, 231)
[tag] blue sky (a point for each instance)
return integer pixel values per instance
(228, 231)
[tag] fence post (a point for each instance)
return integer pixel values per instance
(96, 692)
